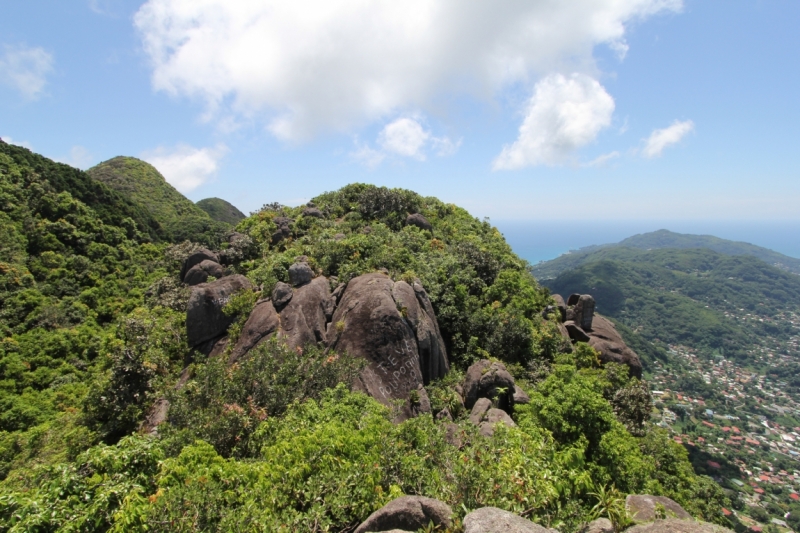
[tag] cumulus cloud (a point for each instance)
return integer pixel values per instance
(186, 167)
(25, 69)
(404, 137)
(660, 139)
(308, 66)
(564, 114)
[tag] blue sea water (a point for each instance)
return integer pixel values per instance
(537, 241)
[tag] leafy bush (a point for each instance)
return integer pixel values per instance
(223, 404)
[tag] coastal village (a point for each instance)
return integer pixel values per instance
(740, 425)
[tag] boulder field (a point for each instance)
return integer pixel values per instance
(412, 513)
(390, 324)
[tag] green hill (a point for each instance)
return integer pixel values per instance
(221, 210)
(140, 182)
(664, 239)
(694, 297)
(93, 334)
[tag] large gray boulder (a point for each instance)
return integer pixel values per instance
(419, 221)
(204, 317)
(196, 258)
(300, 274)
(200, 272)
(605, 339)
(391, 326)
(283, 231)
(304, 319)
(494, 520)
(408, 513)
(414, 303)
(580, 309)
(673, 525)
(488, 379)
(262, 323)
(281, 294)
(601, 525)
(642, 508)
(493, 417)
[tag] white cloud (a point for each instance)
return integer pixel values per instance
(79, 157)
(367, 156)
(25, 69)
(308, 66)
(668, 136)
(184, 166)
(9, 140)
(564, 114)
(404, 137)
(603, 159)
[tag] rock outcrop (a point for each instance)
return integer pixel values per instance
(605, 339)
(601, 525)
(262, 323)
(388, 324)
(196, 258)
(677, 526)
(488, 379)
(200, 272)
(204, 317)
(584, 325)
(408, 513)
(494, 520)
(419, 221)
(643, 508)
(284, 229)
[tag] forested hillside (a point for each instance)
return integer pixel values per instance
(714, 302)
(721, 336)
(221, 210)
(179, 218)
(662, 239)
(94, 318)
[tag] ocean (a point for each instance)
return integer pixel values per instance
(537, 241)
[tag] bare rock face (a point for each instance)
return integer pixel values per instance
(605, 339)
(487, 379)
(408, 513)
(580, 309)
(284, 230)
(200, 272)
(204, 317)
(479, 410)
(312, 212)
(677, 526)
(520, 396)
(304, 319)
(642, 508)
(419, 221)
(262, 323)
(300, 274)
(494, 520)
(196, 258)
(386, 323)
(281, 294)
(575, 332)
(493, 417)
(601, 525)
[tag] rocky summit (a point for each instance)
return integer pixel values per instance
(374, 360)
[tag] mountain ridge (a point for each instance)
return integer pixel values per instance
(664, 239)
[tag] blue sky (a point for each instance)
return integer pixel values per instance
(528, 110)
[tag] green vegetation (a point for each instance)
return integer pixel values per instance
(93, 334)
(692, 297)
(221, 211)
(661, 239)
(179, 218)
